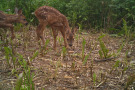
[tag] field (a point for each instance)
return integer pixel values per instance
(80, 67)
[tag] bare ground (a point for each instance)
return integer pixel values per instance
(54, 71)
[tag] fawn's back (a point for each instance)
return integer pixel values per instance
(51, 16)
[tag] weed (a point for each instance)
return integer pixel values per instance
(119, 50)
(94, 78)
(80, 27)
(64, 52)
(34, 55)
(44, 49)
(57, 65)
(126, 30)
(8, 52)
(130, 81)
(103, 52)
(83, 49)
(115, 66)
(60, 41)
(74, 20)
(19, 82)
(27, 77)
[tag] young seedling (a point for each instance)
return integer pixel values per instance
(64, 52)
(83, 49)
(103, 52)
(44, 50)
(27, 82)
(57, 65)
(94, 78)
(80, 27)
(60, 41)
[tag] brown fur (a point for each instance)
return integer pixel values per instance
(7, 20)
(57, 21)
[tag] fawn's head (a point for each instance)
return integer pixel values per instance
(70, 36)
(21, 18)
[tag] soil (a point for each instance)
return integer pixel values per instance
(54, 70)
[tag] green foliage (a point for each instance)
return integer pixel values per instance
(44, 49)
(103, 52)
(115, 66)
(89, 13)
(60, 41)
(94, 78)
(83, 49)
(64, 51)
(27, 79)
(130, 81)
(34, 55)
(119, 50)
(11, 58)
(85, 59)
(125, 28)
(19, 82)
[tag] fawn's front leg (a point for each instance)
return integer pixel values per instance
(39, 31)
(55, 34)
(65, 39)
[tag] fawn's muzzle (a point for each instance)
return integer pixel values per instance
(26, 24)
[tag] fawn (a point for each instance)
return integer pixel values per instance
(7, 20)
(57, 21)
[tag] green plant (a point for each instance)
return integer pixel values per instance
(83, 49)
(19, 82)
(27, 77)
(74, 19)
(34, 56)
(103, 52)
(44, 49)
(60, 41)
(94, 78)
(57, 65)
(8, 52)
(73, 65)
(130, 81)
(10, 57)
(80, 27)
(18, 26)
(87, 56)
(64, 52)
(1, 42)
(115, 66)
(119, 50)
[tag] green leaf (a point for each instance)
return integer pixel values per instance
(100, 53)
(94, 78)
(116, 63)
(34, 55)
(19, 82)
(85, 59)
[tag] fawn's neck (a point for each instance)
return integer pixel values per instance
(11, 18)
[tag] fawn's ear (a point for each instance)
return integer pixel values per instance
(20, 11)
(16, 10)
